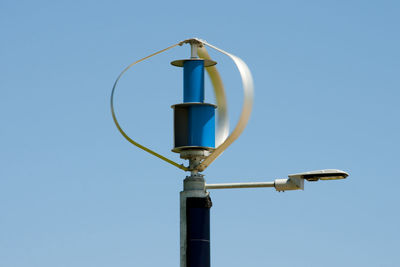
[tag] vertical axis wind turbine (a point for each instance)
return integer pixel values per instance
(197, 140)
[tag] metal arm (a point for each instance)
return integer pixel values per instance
(279, 184)
(240, 185)
(294, 182)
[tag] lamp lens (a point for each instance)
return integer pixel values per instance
(332, 177)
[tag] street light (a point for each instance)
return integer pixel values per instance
(293, 182)
(329, 174)
(197, 140)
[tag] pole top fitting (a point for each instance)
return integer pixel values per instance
(194, 182)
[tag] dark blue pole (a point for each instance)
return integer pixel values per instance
(198, 231)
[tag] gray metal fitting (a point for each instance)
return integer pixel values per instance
(194, 182)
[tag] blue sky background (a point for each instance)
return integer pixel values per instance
(73, 192)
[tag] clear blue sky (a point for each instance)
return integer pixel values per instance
(73, 192)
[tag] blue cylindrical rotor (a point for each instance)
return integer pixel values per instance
(194, 120)
(193, 81)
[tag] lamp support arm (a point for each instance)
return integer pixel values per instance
(279, 184)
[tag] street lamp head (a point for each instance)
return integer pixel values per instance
(329, 174)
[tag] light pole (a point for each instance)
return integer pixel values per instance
(197, 140)
(196, 203)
